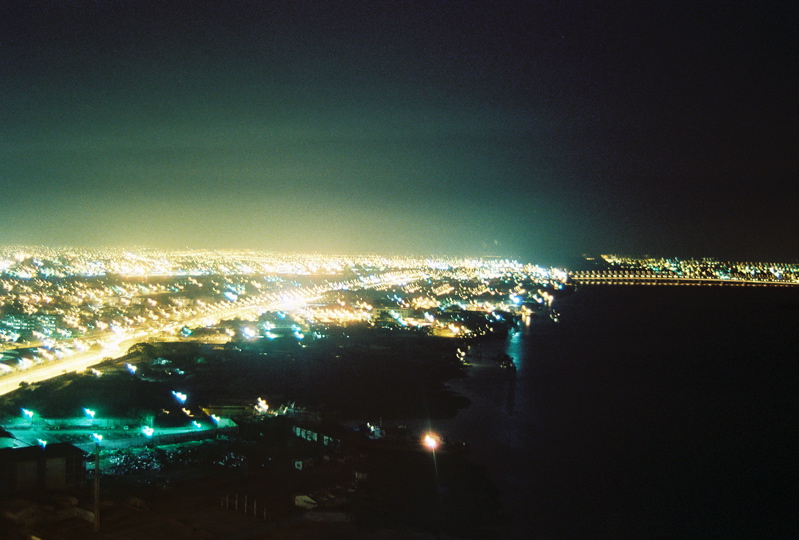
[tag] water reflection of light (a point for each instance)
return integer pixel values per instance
(515, 347)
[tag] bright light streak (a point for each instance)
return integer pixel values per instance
(180, 396)
(148, 431)
(90, 413)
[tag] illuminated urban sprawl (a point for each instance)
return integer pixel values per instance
(85, 305)
(60, 303)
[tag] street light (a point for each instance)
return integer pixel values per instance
(97, 439)
(261, 407)
(431, 441)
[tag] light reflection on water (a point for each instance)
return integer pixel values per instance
(515, 347)
(500, 422)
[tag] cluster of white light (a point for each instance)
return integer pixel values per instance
(699, 269)
(65, 317)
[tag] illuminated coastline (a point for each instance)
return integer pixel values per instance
(706, 271)
(67, 309)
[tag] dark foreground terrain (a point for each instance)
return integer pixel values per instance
(243, 485)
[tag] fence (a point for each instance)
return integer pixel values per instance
(246, 505)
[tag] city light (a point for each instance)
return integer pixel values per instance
(261, 407)
(431, 441)
(617, 269)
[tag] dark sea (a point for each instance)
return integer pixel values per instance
(645, 412)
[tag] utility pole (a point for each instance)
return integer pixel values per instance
(97, 487)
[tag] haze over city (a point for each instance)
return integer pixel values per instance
(530, 130)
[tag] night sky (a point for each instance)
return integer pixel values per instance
(532, 130)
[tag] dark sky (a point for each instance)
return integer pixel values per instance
(532, 130)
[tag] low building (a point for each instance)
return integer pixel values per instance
(54, 467)
(7, 440)
(325, 439)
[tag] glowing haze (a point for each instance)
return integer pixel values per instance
(520, 129)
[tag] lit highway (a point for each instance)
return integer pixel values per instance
(118, 344)
(585, 278)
